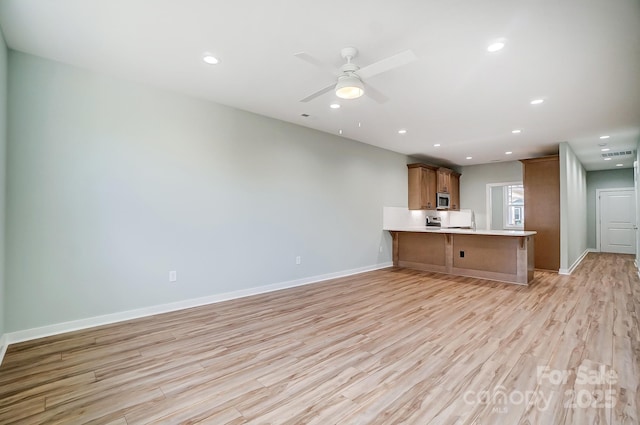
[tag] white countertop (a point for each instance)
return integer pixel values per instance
(462, 231)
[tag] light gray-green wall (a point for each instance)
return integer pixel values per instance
(473, 185)
(607, 179)
(111, 184)
(497, 207)
(3, 162)
(573, 208)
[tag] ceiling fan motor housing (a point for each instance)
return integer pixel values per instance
(349, 68)
(349, 53)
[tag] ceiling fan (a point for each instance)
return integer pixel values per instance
(349, 84)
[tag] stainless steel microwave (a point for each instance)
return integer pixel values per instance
(443, 200)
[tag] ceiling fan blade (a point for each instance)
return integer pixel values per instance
(387, 64)
(315, 62)
(309, 59)
(375, 94)
(319, 93)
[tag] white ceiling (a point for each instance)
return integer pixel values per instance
(581, 56)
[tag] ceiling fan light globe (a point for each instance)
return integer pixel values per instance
(349, 92)
(349, 87)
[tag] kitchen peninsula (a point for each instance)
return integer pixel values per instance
(502, 255)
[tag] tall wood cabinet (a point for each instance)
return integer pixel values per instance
(541, 178)
(422, 187)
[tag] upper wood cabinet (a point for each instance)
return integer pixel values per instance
(422, 187)
(425, 181)
(444, 180)
(541, 178)
(455, 190)
(449, 182)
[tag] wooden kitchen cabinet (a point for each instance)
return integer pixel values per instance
(422, 187)
(444, 180)
(454, 192)
(425, 181)
(498, 255)
(541, 179)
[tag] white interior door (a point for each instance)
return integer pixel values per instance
(618, 221)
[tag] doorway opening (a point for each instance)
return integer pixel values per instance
(505, 206)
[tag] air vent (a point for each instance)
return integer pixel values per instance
(620, 154)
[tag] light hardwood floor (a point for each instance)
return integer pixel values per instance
(385, 347)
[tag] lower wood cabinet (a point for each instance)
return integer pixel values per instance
(503, 256)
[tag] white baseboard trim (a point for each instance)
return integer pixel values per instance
(90, 322)
(4, 344)
(576, 263)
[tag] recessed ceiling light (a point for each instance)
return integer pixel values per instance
(605, 149)
(340, 131)
(437, 145)
(469, 157)
(537, 101)
(359, 124)
(607, 159)
(334, 106)
(604, 137)
(494, 47)
(516, 131)
(403, 131)
(619, 165)
(508, 153)
(210, 59)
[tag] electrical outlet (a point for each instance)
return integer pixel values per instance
(173, 276)
(298, 260)
(380, 248)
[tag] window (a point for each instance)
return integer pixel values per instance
(514, 206)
